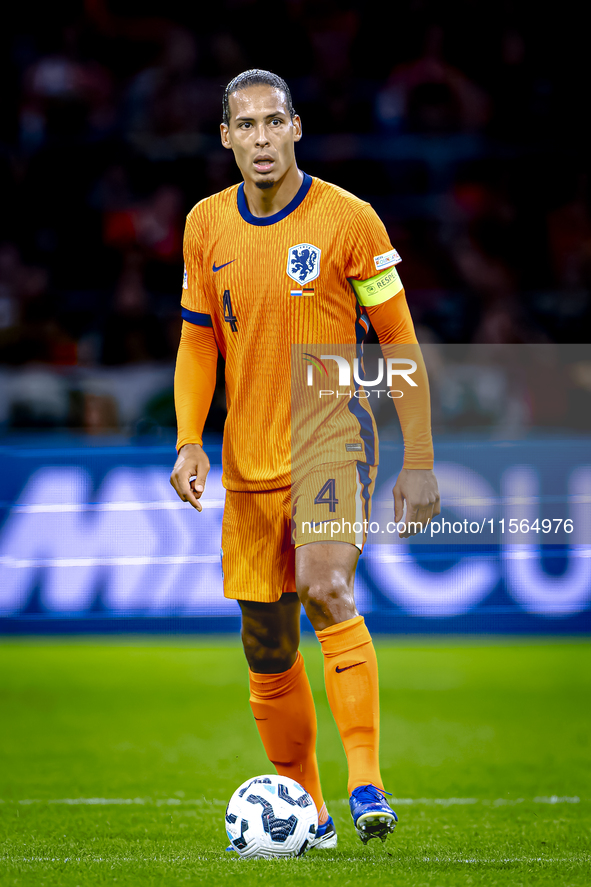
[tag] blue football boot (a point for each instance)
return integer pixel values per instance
(372, 815)
(326, 836)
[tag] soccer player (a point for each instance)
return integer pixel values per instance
(282, 259)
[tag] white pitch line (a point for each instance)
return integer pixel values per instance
(505, 859)
(445, 860)
(102, 802)
(206, 802)
(498, 802)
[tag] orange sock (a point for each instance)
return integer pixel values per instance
(351, 677)
(284, 712)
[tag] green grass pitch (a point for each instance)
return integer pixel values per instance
(118, 757)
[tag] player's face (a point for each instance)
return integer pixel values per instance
(261, 134)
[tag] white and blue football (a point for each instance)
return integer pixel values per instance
(271, 816)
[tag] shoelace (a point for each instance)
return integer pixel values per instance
(368, 794)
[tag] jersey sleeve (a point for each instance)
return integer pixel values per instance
(194, 304)
(393, 324)
(392, 321)
(368, 247)
(414, 407)
(194, 381)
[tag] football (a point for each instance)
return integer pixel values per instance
(271, 816)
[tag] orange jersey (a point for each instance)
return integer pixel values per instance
(265, 284)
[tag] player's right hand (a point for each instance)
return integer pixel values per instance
(190, 473)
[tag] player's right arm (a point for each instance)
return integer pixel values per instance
(194, 385)
(194, 378)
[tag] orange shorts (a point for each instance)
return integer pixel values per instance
(261, 530)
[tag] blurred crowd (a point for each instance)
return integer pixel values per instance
(463, 123)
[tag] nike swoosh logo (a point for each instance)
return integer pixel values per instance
(355, 664)
(261, 719)
(219, 267)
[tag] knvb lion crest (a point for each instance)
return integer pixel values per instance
(303, 263)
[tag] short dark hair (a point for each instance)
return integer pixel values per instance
(254, 77)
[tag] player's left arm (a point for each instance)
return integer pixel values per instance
(385, 302)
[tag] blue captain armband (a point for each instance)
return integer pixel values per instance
(196, 317)
(377, 289)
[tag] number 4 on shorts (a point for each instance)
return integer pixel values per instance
(327, 495)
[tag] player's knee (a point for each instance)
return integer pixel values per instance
(328, 602)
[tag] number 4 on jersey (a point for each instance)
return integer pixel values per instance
(327, 495)
(229, 316)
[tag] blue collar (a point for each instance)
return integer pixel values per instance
(282, 214)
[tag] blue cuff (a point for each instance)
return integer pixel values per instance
(196, 317)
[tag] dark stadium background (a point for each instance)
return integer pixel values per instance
(464, 124)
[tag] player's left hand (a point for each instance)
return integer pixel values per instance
(418, 488)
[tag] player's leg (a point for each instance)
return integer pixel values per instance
(280, 694)
(258, 563)
(325, 573)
